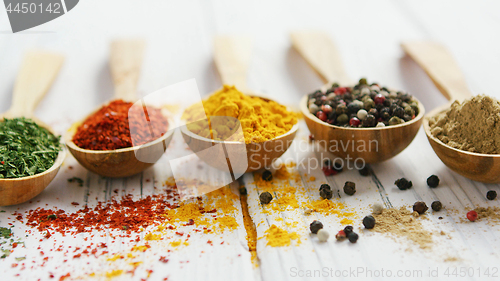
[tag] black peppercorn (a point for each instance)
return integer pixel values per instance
(267, 175)
(338, 167)
(373, 112)
(433, 181)
(353, 237)
(365, 171)
(491, 195)
(325, 186)
(265, 197)
(398, 112)
(348, 230)
(353, 108)
(370, 121)
(369, 222)
(403, 184)
(349, 188)
(420, 207)
(436, 206)
(341, 109)
(315, 226)
(326, 193)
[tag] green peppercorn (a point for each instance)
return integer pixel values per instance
(409, 111)
(369, 222)
(491, 195)
(436, 206)
(342, 119)
(403, 184)
(420, 207)
(362, 81)
(433, 181)
(52, 217)
(265, 197)
(353, 237)
(395, 120)
(368, 104)
(315, 226)
(349, 188)
(267, 175)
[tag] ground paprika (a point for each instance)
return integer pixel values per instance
(109, 128)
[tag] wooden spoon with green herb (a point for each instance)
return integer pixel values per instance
(30, 154)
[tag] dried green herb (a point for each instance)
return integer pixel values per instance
(5, 232)
(77, 180)
(26, 148)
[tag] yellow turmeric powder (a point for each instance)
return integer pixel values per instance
(260, 119)
(277, 237)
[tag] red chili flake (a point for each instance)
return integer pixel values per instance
(51, 275)
(2, 162)
(163, 259)
(75, 203)
(67, 275)
(14, 265)
(14, 245)
(47, 235)
(191, 222)
(180, 233)
(111, 127)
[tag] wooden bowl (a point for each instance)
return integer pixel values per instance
(120, 162)
(257, 155)
(380, 143)
(475, 166)
(19, 190)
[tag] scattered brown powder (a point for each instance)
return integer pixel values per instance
(400, 223)
(492, 214)
(473, 125)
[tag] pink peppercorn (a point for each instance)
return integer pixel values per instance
(379, 99)
(354, 122)
(321, 115)
(472, 215)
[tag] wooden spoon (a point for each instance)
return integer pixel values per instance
(370, 144)
(439, 64)
(38, 71)
(125, 62)
(232, 57)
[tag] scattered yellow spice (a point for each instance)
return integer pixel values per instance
(114, 273)
(151, 236)
(329, 207)
(277, 237)
(260, 119)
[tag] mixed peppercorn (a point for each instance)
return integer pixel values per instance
(362, 106)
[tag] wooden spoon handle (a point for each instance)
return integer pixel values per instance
(232, 57)
(320, 52)
(125, 62)
(38, 71)
(439, 64)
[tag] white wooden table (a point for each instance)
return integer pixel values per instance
(179, 37)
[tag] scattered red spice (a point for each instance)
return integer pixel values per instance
(108, 128)
(163, 259)
(111, 215)
(75, 203)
